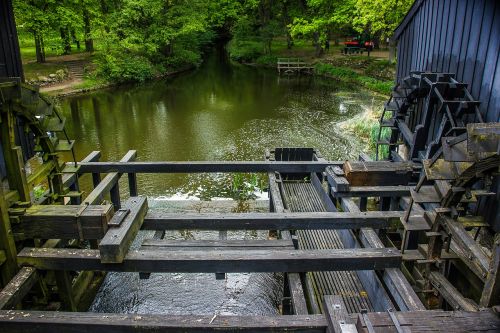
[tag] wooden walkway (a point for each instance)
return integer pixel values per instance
(293, 65)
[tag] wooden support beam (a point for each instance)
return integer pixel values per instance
(115, 244)
(466, 247)
(217, 245)
(294, 282)
(395, 281)
(214, 261)
(269, 221)
(110, 181)
(450, 293)
(491, 291)
(373, 191)
(49, 322)
(378, 173)
(18, 287)
(336, 315)
(64, 221)
(206, 166)
(9, 268)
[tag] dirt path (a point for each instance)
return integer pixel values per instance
(75, 63)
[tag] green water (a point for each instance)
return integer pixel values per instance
(221, 111)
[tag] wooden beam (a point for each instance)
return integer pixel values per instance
(395, 281)
(218, 245)
(269, 221)
(49, 322)
(7, 244)
(18, 287)
(206, 166)
(214, 261)
(295, 287)
(97, 195)
(491, 291)
(466, 248)
(336, 315)
(450, 293)
(64, 221)
(115, 244)
(373, 191)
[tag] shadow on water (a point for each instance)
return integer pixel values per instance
(221, 111)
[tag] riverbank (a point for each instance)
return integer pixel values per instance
(375, 72)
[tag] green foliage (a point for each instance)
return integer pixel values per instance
(183, 59)
(122, 67)
(245, 51)
(244, 186)
(349, 75)
(380, 16)
(269, 60)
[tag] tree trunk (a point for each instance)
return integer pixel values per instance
(74, 39)
(66, 41)
(89, 42)
(317, 44)
(40, 54)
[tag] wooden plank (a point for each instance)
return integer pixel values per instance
(378, 173)
(373, 191)
(115, 244)
(464, 246)
(294, 281)
(491, 291)
(49, 322)
(214, 261)
(64, 221)
(219, 245)
(206, 166)
(336, 178)
(18, 287)
(396, 283)
(97, 195)
(336, 315)
(450, 293)
(269, 221)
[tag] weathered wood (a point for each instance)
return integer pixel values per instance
(491, 291)
(433, 321)
(373, 191)
(450, 293)
(266, 221)
(396, 283)
(116, 242)
(336, 315)
(64, 221)
(97, 195)
(336, 178)
(378, 173)
(64, 283)
(7, 244)
(49, 322)
(294, 281)
(18, 287)
(214, 261)
(219, 245)
(464, 246)
(206, 166)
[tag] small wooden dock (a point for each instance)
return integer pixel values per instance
(293, 66)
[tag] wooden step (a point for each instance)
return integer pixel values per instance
(415, 223)
(64, 145)
(215, 245)
(53, 124)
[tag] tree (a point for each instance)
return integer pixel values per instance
(380, 17)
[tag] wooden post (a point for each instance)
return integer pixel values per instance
(491, 291)
(9, 267)
(65, 288)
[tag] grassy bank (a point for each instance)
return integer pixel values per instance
(375, 73)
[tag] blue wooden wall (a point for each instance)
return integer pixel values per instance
(455, 36)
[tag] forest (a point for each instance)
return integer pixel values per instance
(136, 40)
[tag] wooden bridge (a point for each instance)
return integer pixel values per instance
(293, 65)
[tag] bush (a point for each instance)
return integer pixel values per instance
(182, 59)
(270, 60)
(124, 67)
(245, 51)
(349, 75)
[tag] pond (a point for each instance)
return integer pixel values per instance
(221, 111)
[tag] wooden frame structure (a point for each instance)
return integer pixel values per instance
(382, 271)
